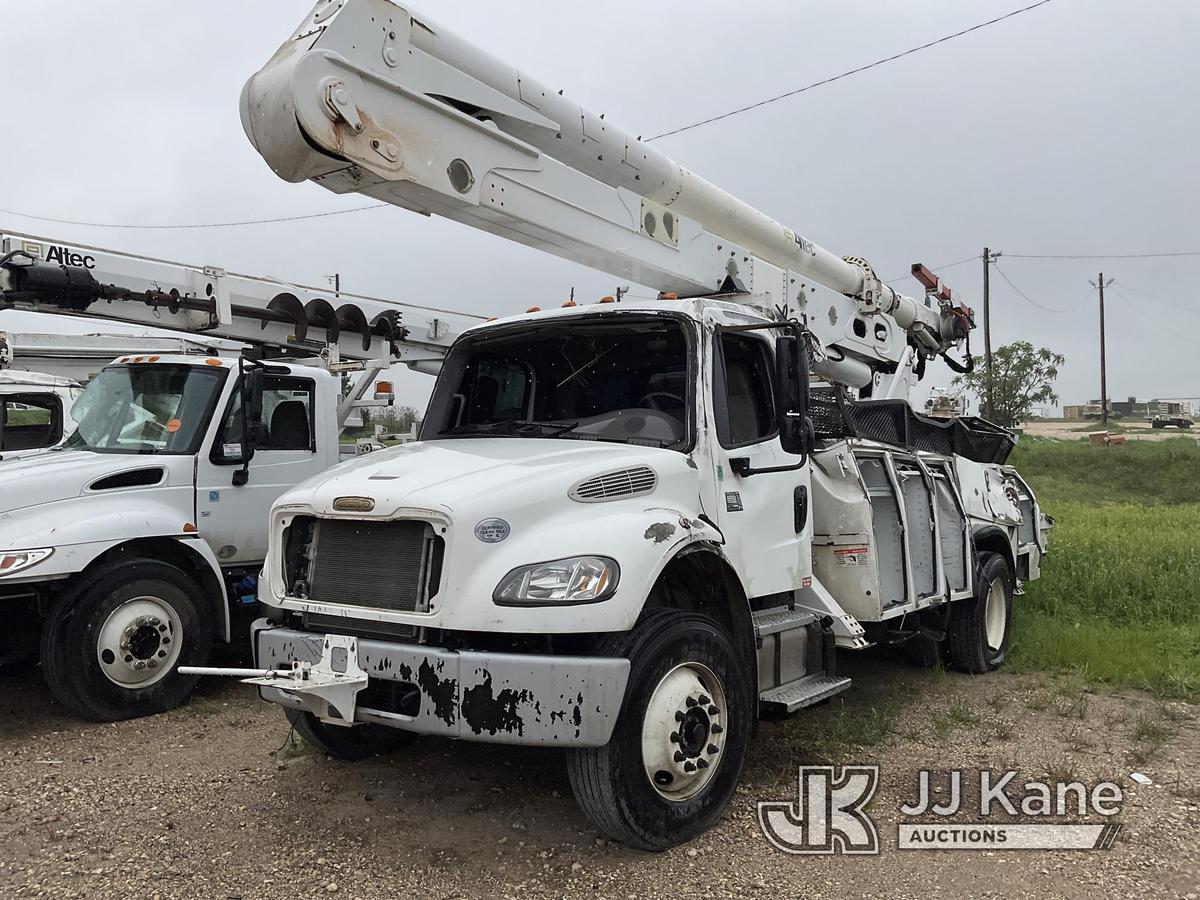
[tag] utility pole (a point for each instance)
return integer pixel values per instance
(990, 399)
(1100, 285)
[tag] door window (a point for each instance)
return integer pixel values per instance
(745, 400)
(29, 421)
(288, 414)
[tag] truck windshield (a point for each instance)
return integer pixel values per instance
(156, 408)
(618, 377)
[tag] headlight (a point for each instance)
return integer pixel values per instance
(578, 579)
(15, 560)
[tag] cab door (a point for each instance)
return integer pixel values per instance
(234, 519)
(764, 514)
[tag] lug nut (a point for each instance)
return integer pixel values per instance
(690, 702)
(679, 757)
(713, 748)
(152, 663)
(716, 729)
(702, 763)
(712, 711)
(704, 700)
(674, 737)
(140, 664)
(689, 767)
(679, 716)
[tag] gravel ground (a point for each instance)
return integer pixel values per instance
(200, 803)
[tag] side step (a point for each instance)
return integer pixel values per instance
(804, 692)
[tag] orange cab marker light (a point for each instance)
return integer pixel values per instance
(173, 425)
(668, 295)
(153, 358)
(607, 300)
(123, 359)
(383, 387)
(138, 358)
(189, 528)
(570, 303)
(534, 309)
(213, 362)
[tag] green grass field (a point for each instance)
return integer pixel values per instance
(1119, 596)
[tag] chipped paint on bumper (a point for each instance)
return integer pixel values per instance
(504, 698)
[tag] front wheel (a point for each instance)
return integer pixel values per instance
(111, 647)
(671, 766)
(980, 626)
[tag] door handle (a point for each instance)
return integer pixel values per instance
(800, 507)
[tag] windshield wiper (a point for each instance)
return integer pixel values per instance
(514, 428)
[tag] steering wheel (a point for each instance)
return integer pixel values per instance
(650, 400)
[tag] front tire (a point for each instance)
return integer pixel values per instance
(112, 645)
(347, 742)
(980, 627)
(672, 764)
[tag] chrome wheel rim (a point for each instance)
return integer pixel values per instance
(684, 731)
(139, 643)
(994, 615)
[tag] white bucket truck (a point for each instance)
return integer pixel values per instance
(627, 528)
(134, 545)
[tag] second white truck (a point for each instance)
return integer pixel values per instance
(134, 544)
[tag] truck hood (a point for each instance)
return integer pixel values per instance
(463, 474)
(54, 475)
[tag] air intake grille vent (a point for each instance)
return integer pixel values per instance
(615, 485)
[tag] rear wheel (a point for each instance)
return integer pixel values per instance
(674, 759)
(980, 626)
(344, 741)
(111, 647)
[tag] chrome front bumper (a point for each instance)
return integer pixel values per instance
(505, 698)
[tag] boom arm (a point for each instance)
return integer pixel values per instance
(369, 97)
(46, 275)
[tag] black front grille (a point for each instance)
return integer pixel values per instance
(380, 565)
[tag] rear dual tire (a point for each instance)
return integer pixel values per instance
(980, 627)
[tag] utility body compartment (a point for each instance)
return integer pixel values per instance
(890, 533)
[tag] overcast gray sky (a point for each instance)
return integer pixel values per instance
(1071, 129)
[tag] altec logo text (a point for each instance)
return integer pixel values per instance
(67, 257)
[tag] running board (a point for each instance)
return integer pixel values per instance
(805, 692)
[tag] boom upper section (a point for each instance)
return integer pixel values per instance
(370, 97)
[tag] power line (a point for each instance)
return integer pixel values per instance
(1133, 306)
(1141, 293)
(935, 269)
(1102, 255)
(1022, 294)
(847, 74)
(336, 212)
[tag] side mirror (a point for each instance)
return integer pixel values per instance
(791, 393)
(253, 429)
